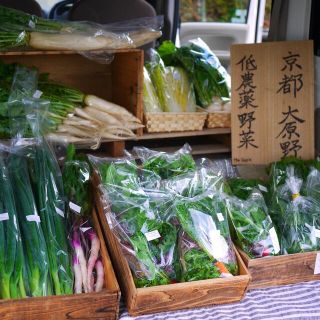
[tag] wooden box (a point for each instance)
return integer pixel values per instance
(176, 296)
(103, 305)
(281, 270)
(120, 81)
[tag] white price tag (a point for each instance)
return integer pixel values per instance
(317, 265)
(317, 233)
(274, 239)
(152, 235)
(33, 218)
(37, 94)
(220, 216)
(4, 216)
(262, 188)
(59, 212)
(32, 24)
(74, 207)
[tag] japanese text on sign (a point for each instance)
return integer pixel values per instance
(291, 83)
(246, 104)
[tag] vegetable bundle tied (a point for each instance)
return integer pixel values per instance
(47, 183)
(21, 29)
(32, 233)
(11, 253)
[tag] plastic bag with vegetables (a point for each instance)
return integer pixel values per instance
(299, 228)
(248, 213)
(173, 88)
(164, 164)
(150, 99)
(208, 76)
(205, 246)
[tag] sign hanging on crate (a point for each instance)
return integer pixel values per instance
(272, 101)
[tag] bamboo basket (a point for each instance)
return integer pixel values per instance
(174, 121)
(218, 119)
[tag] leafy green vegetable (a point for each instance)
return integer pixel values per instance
(11, 253)
(32, 233)
(150, 99)
(166, 165)
(76, 180)
(207, 75)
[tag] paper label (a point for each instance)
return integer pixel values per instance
(59, 212)
(220, 216)
(262, 188)
(37, 94)
(274, 239)
(32, 24)
(317, 233)
(74, 207)
(152, 235)
(4, 216)
(33, 218)
(317, 264)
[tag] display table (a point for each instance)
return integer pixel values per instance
(299, 301)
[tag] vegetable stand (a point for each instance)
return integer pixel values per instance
(101, 305)
(173, 296)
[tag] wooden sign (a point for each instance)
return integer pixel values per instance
(272, 101)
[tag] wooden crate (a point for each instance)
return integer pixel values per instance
(280, 270)
(176, 296)
(120, 82)
(103, 305)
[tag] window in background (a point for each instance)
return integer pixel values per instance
(46, 5)
(266, 21)
(231, 11)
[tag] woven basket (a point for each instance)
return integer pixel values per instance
(174, 121)
(218, 119)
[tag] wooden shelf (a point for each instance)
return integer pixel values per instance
(205, 132)
(200, 149)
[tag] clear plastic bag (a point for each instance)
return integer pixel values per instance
(164, 164)
(209, 77)
(12, 261)
(150, 99)
(299, 229)
(255, 232)
(19, 29)
(77, 185)
(87, 263)
(40, 199)
(174, 91)
(205, 246)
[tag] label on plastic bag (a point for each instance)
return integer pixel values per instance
(262, 188)
(317, 265)
(74, 207)
(317, 233)
(220, 216)
(37, 94)
(59, 212)
(152, 235)
(4, 216)
(274, 239)
(32, 24)
(33, 218)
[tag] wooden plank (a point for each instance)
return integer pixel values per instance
(102, 305)
(199, 149)
(272, 101)
(127, 82)
(280, 270)
(62, 52)
(204, 132)
(141, 301)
